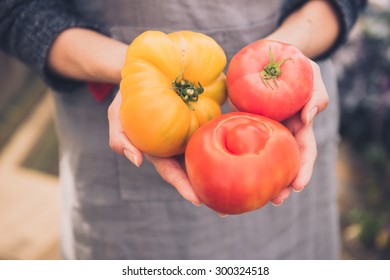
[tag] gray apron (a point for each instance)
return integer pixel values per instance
(113, 210)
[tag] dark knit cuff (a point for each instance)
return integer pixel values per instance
(32, 28)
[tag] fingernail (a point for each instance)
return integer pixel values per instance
(277, 204)
(197, 204)
(297, 190)
(132, 157)
(222, 215)
(310, 116)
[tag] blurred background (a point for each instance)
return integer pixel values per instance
(29, 193)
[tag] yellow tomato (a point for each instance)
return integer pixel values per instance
(171, 85)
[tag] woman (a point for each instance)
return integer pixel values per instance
(112, 209)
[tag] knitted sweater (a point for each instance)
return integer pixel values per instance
(28, 29)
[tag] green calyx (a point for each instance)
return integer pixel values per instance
(272, 70)
(189, 92)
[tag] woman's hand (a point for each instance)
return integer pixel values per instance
(170, 169)
(301, 126)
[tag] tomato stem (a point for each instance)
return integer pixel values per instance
(189, 92)
(272, 70)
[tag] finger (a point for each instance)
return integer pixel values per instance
(172, 172)
(282, 196)
(308, 154)
(118, 141)
(222, 215)
(319, 99)
(294, 124)
(115, 131)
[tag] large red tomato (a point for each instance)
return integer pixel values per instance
(269, 78)
(239, 161)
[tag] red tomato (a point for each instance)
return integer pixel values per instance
(239, 161)
(270, 78)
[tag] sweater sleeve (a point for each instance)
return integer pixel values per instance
(347, 12)
(29, 28)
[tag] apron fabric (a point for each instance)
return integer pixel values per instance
(114, 210)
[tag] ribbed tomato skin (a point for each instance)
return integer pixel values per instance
(239, 161)
(153, 115)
